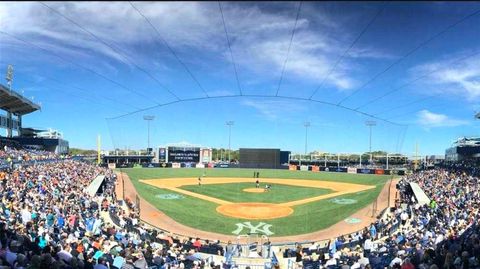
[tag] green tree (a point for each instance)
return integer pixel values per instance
(221, 153)
(77, 151)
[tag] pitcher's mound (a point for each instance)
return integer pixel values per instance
(255, 190)
(254, 210)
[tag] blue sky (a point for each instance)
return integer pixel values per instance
(416, 65)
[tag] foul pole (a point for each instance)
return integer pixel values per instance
(98, 149)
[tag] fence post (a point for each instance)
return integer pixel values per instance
(137, 202)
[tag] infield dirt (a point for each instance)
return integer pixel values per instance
(254, 190)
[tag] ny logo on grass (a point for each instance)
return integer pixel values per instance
(262, 228)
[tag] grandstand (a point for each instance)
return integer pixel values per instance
(464, 149)
(16, 107)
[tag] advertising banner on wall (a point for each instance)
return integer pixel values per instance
(315, 168)
(176, 165)
(292, 167)
(112, 165)
(379, 171)
(351, 170)
(366, 171)
(304, 168)
(200, 165)
(206, 155)
(162, 155)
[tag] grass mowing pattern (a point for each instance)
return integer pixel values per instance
(306, 218)
(233, 192)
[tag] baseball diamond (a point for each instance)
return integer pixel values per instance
(297, 203)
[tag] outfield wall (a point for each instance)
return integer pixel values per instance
(350, 170)
(292, 167)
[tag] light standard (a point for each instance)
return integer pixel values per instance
(229, 124)
(306, 124)
(9, 78)
(148, 118)
(370, 123)
(387, 161)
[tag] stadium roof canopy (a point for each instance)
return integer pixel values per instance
(15, 103)
(31, 132)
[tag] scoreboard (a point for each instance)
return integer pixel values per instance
(183, 154)
(259, 158)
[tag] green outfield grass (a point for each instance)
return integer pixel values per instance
(202, 214)
(233, 192)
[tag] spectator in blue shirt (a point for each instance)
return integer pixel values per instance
(89, 224)
(60, 221)
(373, 231)
(50, 219)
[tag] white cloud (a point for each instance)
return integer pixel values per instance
(273, 109)
(450, 76)
(221, 92)
(259, 36)
(368, 52)
(429, 119)
(262, 44)
(116, 23)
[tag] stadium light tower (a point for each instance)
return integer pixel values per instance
(148, 118)
(306, 124)
(9, 76)
(229, 124)
(370, 123)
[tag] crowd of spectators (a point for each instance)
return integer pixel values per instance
(48, 219)
(441, 234)
(11, 155)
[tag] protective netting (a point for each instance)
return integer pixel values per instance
(338, 143)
